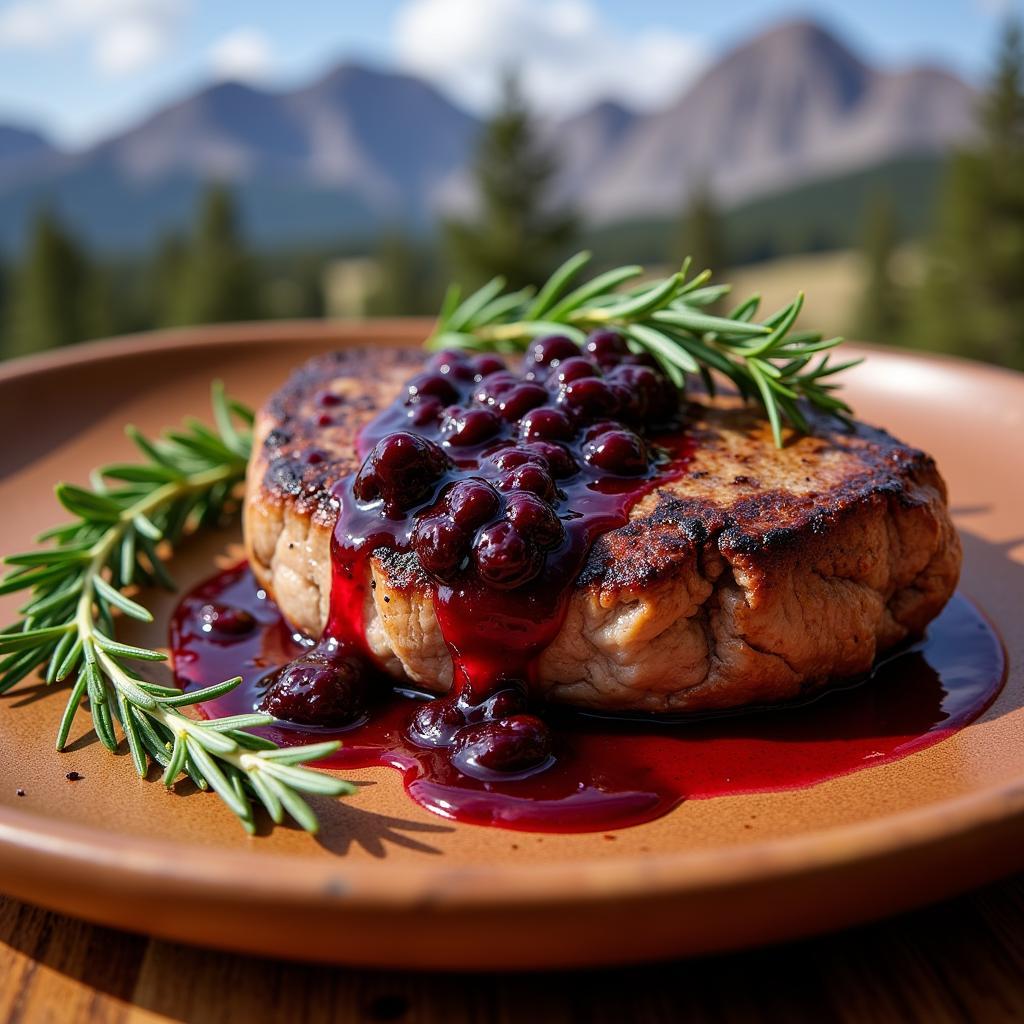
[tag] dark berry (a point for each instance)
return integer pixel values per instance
(510, 458)
(471, 503)
(318, 690)
(617, 451)
(535, 519)
(504, 558)
(545, 424)
(436, 722)
(638, 389)
(426, 411)
(555, 456)
(464, 427)
(600, 427)
(665, 406)
(588, 399)
(642, 359)
(445, 357)
(453, 364)
(491, 388)
(503, 703)
(607, 347)
(513, 744)
(646, 395)
(325, 419)
(531, 478)
(327, 399)
(219, 618)
(486, 366)
(518, 401)
(574, 369)
(432, 385)
(550, 350)
(440, 545)
(401, 470)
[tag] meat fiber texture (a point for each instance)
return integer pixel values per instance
(758, 576)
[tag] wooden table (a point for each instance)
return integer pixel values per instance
(959, 961)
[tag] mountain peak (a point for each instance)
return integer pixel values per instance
(228, 89)
(788, 105)
(800, 49)
(356, 74)
(18, 141)
(800, 32)
(606, 116)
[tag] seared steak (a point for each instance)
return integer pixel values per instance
(759, 575)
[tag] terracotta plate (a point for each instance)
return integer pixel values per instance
(389, 884)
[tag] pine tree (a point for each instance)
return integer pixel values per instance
(164, 280)
(973, 299)
(217, 280)
(518, 232)
(881, 316)
(55, 297)
(406, 286)
(5, 290)
(102, 305)
(700, 233)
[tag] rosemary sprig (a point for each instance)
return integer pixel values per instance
(188, 479)
(767, 360)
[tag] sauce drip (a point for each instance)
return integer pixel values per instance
(493, 486)
(608, 773)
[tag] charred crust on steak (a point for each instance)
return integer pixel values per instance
(297, 428)
(854, 466)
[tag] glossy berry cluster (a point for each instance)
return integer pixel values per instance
(497, 735)
(497, 481)
(401, 471)
(327, 686)
(484, 460)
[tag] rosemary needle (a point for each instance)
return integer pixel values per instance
(767, 361)
(76, 581)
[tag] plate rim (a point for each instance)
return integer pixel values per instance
(152, 864)
(158, 863)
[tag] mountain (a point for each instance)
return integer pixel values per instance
(17, 143)
(584, 142)
(390, 136)
(361, 148)
(789, 106)
(354, 150)
(20, 147)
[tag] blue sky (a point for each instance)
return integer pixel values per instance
(80, 68)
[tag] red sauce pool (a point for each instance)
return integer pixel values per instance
(613, 772)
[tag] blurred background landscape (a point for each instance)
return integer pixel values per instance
(167, 162)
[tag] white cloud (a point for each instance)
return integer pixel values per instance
(24, 25)
(242, 55)
(566, 55)
(127, 47)
(124, 36)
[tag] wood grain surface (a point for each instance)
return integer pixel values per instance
(959, 961)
